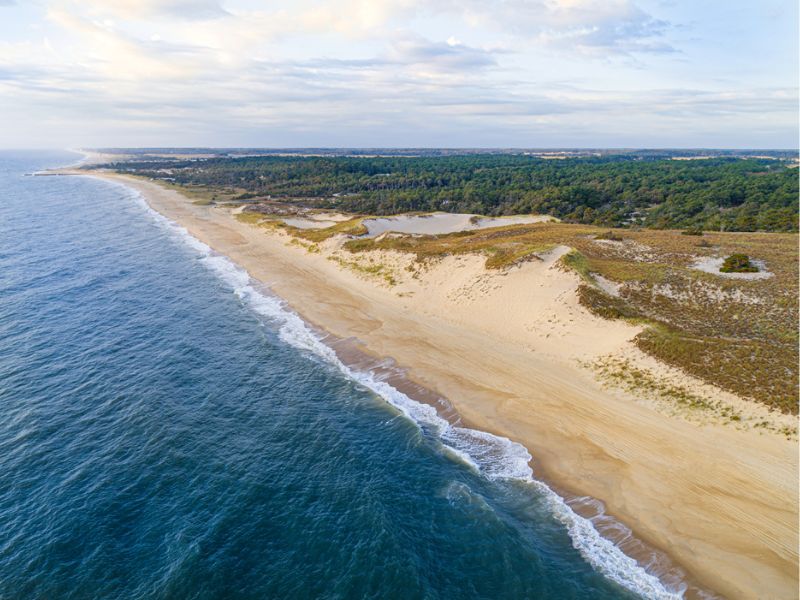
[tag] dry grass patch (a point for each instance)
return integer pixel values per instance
(204, 195)
(370, 268)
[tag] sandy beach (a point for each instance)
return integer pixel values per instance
(506, 349)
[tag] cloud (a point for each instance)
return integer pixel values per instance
(103, 48)
(440, 56)
(693, 103)
(380, 72)
(355, 18)
(582, 26)
(147, 9)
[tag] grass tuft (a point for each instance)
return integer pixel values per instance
(738, 263)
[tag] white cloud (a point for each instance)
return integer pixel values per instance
(440, 56)
(510, 72)
(585, 26)
(145, 9)
(102, 49)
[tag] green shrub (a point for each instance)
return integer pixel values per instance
(738, 263)
(692, 231)
(577, 262)
(609, 235)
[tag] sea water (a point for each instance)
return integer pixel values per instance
(169, 429)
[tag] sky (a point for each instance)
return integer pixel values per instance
(399, 73)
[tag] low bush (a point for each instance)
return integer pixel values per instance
(692, 231)
(738, 263)
(609, 235)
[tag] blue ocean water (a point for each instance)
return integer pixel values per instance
(167, 430)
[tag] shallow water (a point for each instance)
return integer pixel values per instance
(301, 223)
(439, 223)
(170, 430)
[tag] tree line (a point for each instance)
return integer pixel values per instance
(730, 194)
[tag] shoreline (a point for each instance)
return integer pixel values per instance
(651, 560)
(586, 440)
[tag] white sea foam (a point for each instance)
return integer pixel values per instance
(494, 457)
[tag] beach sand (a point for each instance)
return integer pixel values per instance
(506, 350)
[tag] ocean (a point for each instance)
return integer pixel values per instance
(169, 429)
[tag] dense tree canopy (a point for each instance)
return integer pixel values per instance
(731, 194)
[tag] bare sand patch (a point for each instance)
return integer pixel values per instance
(712, 265)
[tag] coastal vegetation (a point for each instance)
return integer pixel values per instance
(609, 235)
(740, 335)
(642, 189)
(738, 263)
(626, 374)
